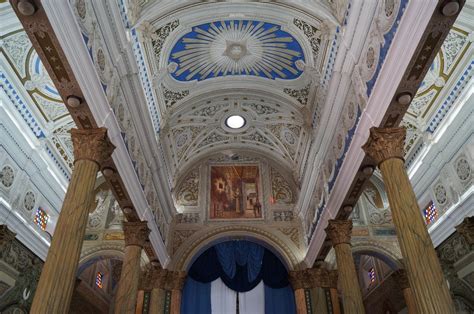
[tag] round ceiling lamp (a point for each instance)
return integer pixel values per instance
(235, 122)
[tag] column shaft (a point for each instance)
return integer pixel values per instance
(156, 301)
(126, 295)
(410, 301)
(421, 261)
(386, 147)
(300, 301)
(336, 309)
(175, 282)
(56, 284)
(351, 295)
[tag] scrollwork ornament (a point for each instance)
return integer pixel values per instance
(385, 143)
(91, 144)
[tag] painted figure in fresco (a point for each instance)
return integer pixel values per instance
(257, 208)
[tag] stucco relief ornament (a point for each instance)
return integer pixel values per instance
(7, 176)
(385, 143)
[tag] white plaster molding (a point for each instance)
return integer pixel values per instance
(411, 28)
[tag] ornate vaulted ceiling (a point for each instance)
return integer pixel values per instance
(165, 76)
(271, 63)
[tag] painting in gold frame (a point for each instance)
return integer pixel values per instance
(235, 192)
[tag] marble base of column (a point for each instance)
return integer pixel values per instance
(55, 287)
(126, 296)
(386, 147)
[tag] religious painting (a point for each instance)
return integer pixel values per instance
(235, 192)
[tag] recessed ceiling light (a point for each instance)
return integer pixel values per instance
(235, 122)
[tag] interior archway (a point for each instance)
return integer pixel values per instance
(237, 274)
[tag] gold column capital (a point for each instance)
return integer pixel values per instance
(153, 278)
(323, 278)
(385, 143)
(175, 280)
(91, 144)
(402, 278)
(297, 278)
(339, 231)
(466, 229)
(136, 233)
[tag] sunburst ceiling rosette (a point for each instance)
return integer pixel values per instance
(236, 47)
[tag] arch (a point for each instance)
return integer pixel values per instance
(389, 254)
(102, 250)
(186, 255)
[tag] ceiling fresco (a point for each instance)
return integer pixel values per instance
(236, 47)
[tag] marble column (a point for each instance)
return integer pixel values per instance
(299, 280)
(157, 295)
(402, 279)
(386, 147)
(176, 280)
(327, 279)
(333, 277)
(136, 234)
(54, 292)
(339, 232)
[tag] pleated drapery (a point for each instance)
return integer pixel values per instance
(252, 302)
(196, 297)
(237, 268)
(208, 267)
(223, 299)
(280, 300)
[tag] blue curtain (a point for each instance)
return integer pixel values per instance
(196, 298)
(226, 261)
(240, 253)
(280, 300)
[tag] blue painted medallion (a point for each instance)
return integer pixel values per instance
(236, 47)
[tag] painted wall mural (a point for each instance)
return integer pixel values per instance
(235, 192)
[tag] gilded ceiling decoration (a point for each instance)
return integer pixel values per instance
(236, 47)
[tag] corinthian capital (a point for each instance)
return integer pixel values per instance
(136, 233)
(385, 143)
(339, 231)
(91, 144)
